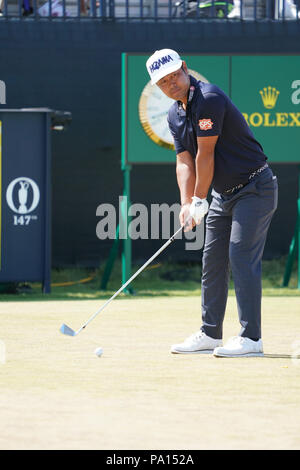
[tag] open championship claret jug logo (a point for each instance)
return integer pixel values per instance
(23, 196)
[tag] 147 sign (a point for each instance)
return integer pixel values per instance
(23, 196)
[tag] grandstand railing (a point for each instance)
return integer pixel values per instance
(223, 10)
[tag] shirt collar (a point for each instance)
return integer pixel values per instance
(193, 86)
(193, 83)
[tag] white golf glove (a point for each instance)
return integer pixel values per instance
(198, 209)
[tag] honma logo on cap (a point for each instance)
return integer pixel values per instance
(158, 63)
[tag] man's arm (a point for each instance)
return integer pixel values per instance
(204, 165)
(186, 178)
(205, 159)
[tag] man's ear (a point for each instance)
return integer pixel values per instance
(184, 67)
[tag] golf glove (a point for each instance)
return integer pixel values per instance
(198, 209)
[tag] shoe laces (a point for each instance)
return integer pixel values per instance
(196, 336)
(237, 339)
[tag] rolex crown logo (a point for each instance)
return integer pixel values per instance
(269, 96)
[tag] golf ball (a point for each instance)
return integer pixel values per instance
(99, 352)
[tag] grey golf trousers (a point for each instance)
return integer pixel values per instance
(236, 231)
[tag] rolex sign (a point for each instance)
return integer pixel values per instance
(266, 89)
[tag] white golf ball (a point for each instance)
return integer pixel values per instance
(99, 352)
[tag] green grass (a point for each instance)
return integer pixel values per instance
(163, 279)
(56, 394)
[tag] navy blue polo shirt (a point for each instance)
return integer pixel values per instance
(210, 112)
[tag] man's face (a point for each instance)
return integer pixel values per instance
(176, 84)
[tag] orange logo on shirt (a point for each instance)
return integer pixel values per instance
(205, 124)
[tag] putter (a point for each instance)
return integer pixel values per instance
(66, 330)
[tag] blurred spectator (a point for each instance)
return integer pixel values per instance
(1, 2)
(57, 9)
(83, 8)
(286, 9)
(27, 8)
(201, 8)
(236, 11)
(87, 8)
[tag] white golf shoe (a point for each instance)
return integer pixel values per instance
(237, 346)
(197, 343)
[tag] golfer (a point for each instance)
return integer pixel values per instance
(216, 148)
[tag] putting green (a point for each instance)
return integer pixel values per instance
(56, 394)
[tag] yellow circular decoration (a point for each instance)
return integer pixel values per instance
(153, 111)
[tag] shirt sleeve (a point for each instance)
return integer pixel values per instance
(211, 115)
(178, 145)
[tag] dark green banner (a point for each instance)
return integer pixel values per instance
(266, 89)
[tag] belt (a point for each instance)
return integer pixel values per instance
(239, 186)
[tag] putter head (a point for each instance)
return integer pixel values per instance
(66, 330)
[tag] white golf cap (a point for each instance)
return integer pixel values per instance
(162, 63)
